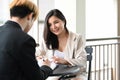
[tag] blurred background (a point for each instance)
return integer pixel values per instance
(92, 18)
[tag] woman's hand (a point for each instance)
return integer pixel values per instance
(58, 60)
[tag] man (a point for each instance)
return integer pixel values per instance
(17, 48)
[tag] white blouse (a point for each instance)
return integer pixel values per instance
(58, 53)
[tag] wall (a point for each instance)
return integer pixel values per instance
(68, 7)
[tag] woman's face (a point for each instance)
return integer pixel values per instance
(56, 25)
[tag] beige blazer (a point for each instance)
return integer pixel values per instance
(74, 52)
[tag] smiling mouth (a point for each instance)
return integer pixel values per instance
(56, 30)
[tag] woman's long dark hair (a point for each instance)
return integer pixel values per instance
(51, 39)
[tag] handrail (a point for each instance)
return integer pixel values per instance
(98, 39)
(105, 57)
(104, 44)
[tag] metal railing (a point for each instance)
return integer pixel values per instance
(105, 58)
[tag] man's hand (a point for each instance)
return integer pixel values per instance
(43, 61)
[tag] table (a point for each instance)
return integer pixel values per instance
(65, 71)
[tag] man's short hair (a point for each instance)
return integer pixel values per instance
(21, 8)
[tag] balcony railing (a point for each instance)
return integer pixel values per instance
(105, 58)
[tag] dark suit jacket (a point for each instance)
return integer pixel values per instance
(17, 55)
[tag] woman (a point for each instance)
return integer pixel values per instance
(67, 47)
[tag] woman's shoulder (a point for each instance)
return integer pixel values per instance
(75, 35)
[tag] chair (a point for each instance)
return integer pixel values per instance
(89, 51)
